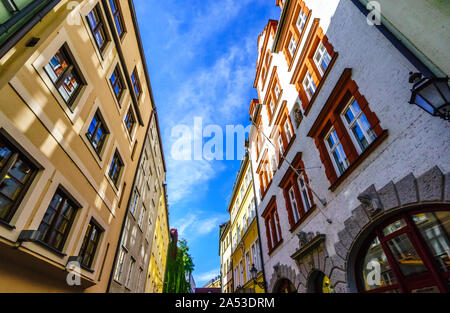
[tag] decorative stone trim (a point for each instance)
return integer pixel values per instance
(283, 271)
(431, 187)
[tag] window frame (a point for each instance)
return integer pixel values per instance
(71, 68)
(101, 26)
(338, 148)
(117, 72)
(76, 207)
(90, 137)
(115, 178)
(118, 17)
(136, 83)
(17, 152)
(84, 246)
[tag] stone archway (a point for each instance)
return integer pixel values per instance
(284, 285)
(318, 282)
(283, 272)
(433, 187)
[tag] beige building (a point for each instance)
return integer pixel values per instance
(73, 119)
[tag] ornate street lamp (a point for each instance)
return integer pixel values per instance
(254, 273)
(431, 95)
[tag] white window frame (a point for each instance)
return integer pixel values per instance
(309, 85)
(280, 143)
(337, 143)
(322, 55)
(287, 130)
(277, 91)
(119, 267)
(294, 205)
(356, 120)
(301, 20)
(304, 193)
(292, 46)
(130, 274)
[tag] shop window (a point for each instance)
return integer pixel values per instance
(411, 252)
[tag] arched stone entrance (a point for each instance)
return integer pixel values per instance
(378, 207)
(284, 285)
(318, 282)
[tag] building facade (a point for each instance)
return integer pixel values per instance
(160, 248)
(245, 246)
(143, 229)
(226, 266)
(352, 180)
(74, 116)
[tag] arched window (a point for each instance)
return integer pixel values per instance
(408, 253)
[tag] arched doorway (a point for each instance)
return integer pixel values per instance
(284, 285)
(408, 253)
(318, 282)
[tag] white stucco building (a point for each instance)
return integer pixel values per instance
(374, 186)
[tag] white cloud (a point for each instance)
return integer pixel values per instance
(205, 277)
(199, 224)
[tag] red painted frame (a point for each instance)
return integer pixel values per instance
(434, 277)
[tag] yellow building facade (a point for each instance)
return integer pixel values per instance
(158, 257)
(76, 103)
(245, 244)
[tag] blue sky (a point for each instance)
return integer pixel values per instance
(202, 60)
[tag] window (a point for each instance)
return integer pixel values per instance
(16, 175)
(119, 266)
(358, 126)
(292, 46)
(116, 168)
(130, 121)
(277, 91)
(413, 252)
(301, 21)
(130, 274)
(117, 14)
(98, 28)
(287, 130)
(139, 279)
(297, 194)
(58, 219)
(304, 192)
(136, 83)
(65, 75)
(117, 82)
(309, 85)
(135, 202)
(336, 151)
(272, 106)
(322, 59)
(90, 244)
(141, 217)
(272, 223)
(280, 143)
(346, 131)
(241, 271)
(294, 207)
(97, 132)
(248, 265)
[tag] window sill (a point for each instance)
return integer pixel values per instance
(7, 225)
(359, 160)
(322, 81)
(87, 269)
(277, 245)
(50, 248)
(302, 219)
